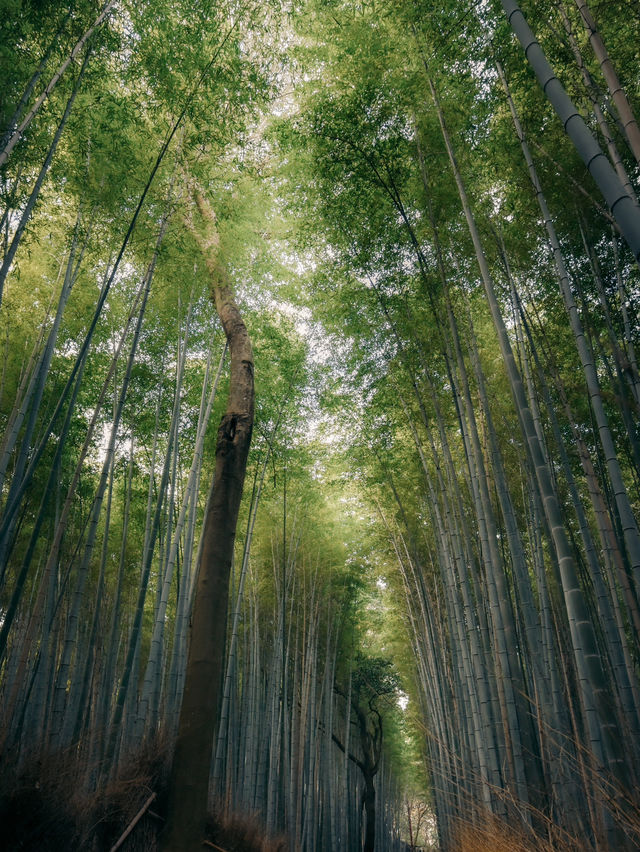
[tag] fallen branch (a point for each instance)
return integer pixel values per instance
(133, 823)
(213, 845)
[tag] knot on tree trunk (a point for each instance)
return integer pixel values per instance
(234, 429)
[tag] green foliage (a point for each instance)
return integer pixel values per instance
(314, 137)
(373, 678)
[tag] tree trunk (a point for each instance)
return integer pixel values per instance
(189, 784)
(623, 208)
(618, 95)
(369, 803)
(623, 504)
(604, 740)
(591, 91)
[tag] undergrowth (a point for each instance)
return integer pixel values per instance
(57, 804)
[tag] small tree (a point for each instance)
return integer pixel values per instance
(372, 679)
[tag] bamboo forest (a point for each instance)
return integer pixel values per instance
(320, 425)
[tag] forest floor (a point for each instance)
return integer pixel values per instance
(50, 806)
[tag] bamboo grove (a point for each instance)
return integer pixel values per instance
(430, 216)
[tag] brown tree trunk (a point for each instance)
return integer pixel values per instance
(189, 783)
(369, 815)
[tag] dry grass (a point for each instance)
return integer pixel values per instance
(53, 805)
(48, 806)
(492, 834)
(242, 833)
(494, 837)
(110, 810)
(39, 808)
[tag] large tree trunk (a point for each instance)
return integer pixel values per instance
(188, 791)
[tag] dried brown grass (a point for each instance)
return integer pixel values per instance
(488, 833)
(39, 806)
(494, 837)
(52, 805)
(242, 833)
